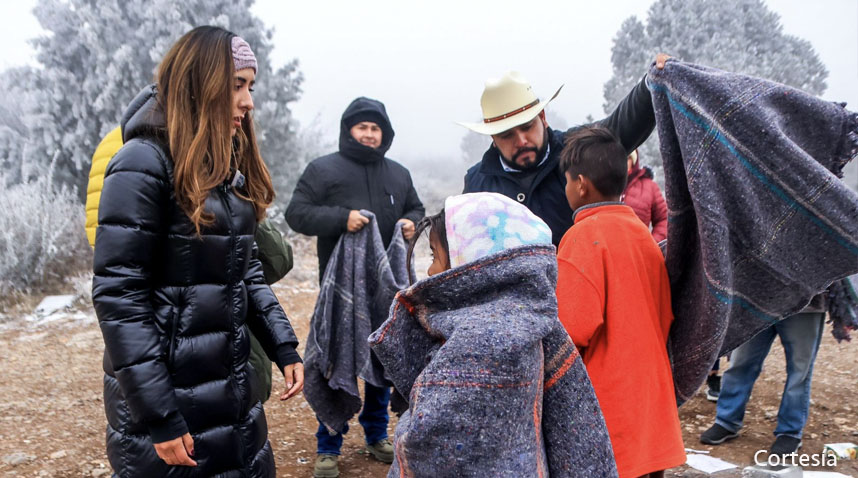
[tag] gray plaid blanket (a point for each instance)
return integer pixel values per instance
(758, 220)
(357, 289)
(494, 383)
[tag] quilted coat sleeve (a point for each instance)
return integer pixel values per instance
(659, 213)
(130, 228)
(307, 213)
(266, 318)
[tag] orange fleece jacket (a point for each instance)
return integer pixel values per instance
(613, 297)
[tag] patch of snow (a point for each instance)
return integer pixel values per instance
(54, 303)
(707, 464)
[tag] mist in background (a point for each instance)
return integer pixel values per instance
(427, 61)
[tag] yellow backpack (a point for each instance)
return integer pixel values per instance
(108, 146)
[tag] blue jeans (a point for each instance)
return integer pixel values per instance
(800, 335)
(373, 418)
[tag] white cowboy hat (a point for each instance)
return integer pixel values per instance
(507, 102)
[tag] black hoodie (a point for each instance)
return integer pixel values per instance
(356, 177)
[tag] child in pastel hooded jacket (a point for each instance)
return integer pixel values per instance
(495, 386)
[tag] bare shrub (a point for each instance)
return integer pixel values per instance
(42, 239)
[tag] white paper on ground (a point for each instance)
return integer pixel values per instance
(824, 474)
(707, 464)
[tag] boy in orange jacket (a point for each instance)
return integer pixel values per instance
(613, 298)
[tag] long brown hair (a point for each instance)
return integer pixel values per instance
(195, 87)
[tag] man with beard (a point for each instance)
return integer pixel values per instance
(522, 161)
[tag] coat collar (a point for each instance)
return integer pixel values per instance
(588, 210)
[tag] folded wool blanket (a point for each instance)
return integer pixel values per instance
(759, 222)
(357, 289)
(494, 383)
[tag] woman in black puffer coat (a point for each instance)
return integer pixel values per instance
(177, 282)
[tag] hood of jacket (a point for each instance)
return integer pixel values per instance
(465, 297)
(143, 116)
(481, 224)
(637, 172)
(349, 147)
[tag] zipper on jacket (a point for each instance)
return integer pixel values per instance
(224, 191)
(224, 198)
(369, 189)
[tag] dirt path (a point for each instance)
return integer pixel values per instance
(53, 422)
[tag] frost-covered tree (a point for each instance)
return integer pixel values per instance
(19, 108)
(741, 36)
(41, 237)
(96, 56)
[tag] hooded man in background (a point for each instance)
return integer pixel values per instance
(327, 203)
(334, 188)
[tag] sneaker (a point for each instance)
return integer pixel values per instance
(382, 450)
(784, 445)
(714, 383)
(716, 435)
(326, 466)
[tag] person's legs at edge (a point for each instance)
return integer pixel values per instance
(328, 450)
(800, 335)
(746, 362)
(713, 382)
(374, 419)
(327, 444)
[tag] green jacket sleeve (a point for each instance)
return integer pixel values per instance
(275, 252)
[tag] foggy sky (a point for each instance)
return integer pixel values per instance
(427, 61)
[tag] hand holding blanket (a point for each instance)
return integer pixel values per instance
(358, 287)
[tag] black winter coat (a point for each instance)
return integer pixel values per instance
(356, 177)
(174, 310)
(632, 121)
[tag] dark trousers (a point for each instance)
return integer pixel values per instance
(373, 418)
